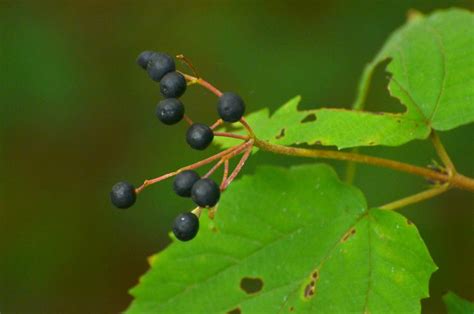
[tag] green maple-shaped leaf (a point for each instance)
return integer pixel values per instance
(288, 240)
(457, 305)
(432, 74)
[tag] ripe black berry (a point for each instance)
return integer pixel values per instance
(230, 107)
(186, 226)
(170, 111)
(123, 195)
(173, 85)
(199, 136)
(144, 57)
(205, 193)
(159, 65)
(184, 182)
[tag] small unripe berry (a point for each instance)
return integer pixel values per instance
(144, 57)
(205, 193)
(186, 226)
(230, 107)
(170, 111)
(173, 85)
(199, 136)
(159, 65)
(184, 182)
(123, 195)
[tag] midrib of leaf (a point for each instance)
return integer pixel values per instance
(442, 52)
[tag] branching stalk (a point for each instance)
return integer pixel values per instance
(412, 199)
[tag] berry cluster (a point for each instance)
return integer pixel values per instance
(204, 191)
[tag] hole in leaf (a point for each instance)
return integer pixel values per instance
(235, 311)
(309, 118)
(282, 133)
(251, 285)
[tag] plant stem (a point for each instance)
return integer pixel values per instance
(188, 120)
(237, 168)
(442, 153)
(456, 180)
(216, 124)
(412, 199)
(203, 83)
(232, 135)
(230, 152)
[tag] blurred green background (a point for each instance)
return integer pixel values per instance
(77, 115)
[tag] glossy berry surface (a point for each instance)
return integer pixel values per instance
(184, 182)
(205, 193)
(170, 111)
(173, 85)
(199, 136)
(186, 226)
(123, 195)
(230, 107)
(159, 65)
(144, 57)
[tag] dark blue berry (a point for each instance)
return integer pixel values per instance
(199, 136)
(184, 182)
(123, 195)
(159, 65)
(186, 226)
(170, 111)
(205, 193)
(173, 85)
(144, 57)
(230, 107)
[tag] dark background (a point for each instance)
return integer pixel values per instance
(77, 115)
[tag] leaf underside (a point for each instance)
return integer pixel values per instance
(457, 305)
(303, 241)
(431, 73)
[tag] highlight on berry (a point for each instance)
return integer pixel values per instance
(201, 189)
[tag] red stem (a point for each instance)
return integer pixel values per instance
(216, 124)
(232, 135)
(238, 167)
(229, 152)
(188, 120)
(203, 83)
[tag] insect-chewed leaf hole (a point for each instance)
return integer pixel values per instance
(237, 310)
(281, 134)
(309, 118)
(251, 285)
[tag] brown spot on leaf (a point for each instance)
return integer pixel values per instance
(409, 222)
(309, 290)
(237, 310)
(251, 285)
(292, 308)
(315, 275)
(371, 143)
(309, 118)
(318, 143)
(348, 234)
(282, 134)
